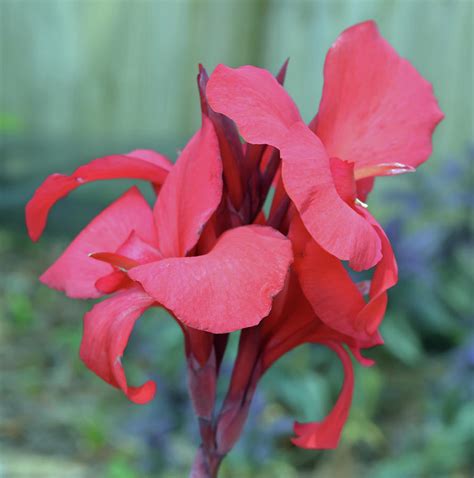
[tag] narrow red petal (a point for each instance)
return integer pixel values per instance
(75, 272)
(254, 99)
(191, 193)
(375, 107)
(107, 328)
(326, 433)
(139, 164)
(229, 288)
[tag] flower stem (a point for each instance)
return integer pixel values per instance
(206, 463)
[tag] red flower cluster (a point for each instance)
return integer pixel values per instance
(207, 252)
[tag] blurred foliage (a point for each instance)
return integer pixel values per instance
(67, 97)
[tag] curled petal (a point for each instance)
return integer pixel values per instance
(107, 328)
(375, 107)
(333, 223)
(75, 272)
(229, 288)
(326, 433)
(254, 99)
(139, 164)
(191, 193)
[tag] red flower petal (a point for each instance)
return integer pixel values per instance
(254, 99)
(326, 433)
(333, 224)
(191, 193)
(375, 107)
(139, 164)
(333, 295)
(107, 328)
(75, 272)
(227, 289)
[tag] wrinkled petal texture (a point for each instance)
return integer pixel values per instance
(139, 164)
(229, 288)
(333, 223)
(326, 433)
(75, 272)
(191, 193)
(254, 99)
(375, 107)
(107, 328)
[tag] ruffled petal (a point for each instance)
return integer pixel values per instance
(75, 272)
(229, 288)
(333, 223)
(191, 193)
(326, 433)
(254, 99)
(375, 107)
(107, 328)
(139, 164)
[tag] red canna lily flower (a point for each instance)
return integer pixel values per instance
(209, 254)
(377, 114)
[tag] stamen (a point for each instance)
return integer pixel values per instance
(360, 203)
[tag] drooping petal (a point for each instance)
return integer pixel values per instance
(107, 328)
(326, 433)
(333, 223)
(254, 99)
(191, 193)
(139, 164)
(75, 272)
(375, 107)
(227, 289)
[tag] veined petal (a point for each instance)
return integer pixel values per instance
(229, 288)
(75, 272)
(139, 164)
(107, 328)
(191, 193)
(253, 98)
(333, 224)
(375, 107)
(326, 433)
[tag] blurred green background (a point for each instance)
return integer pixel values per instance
(83, 78)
